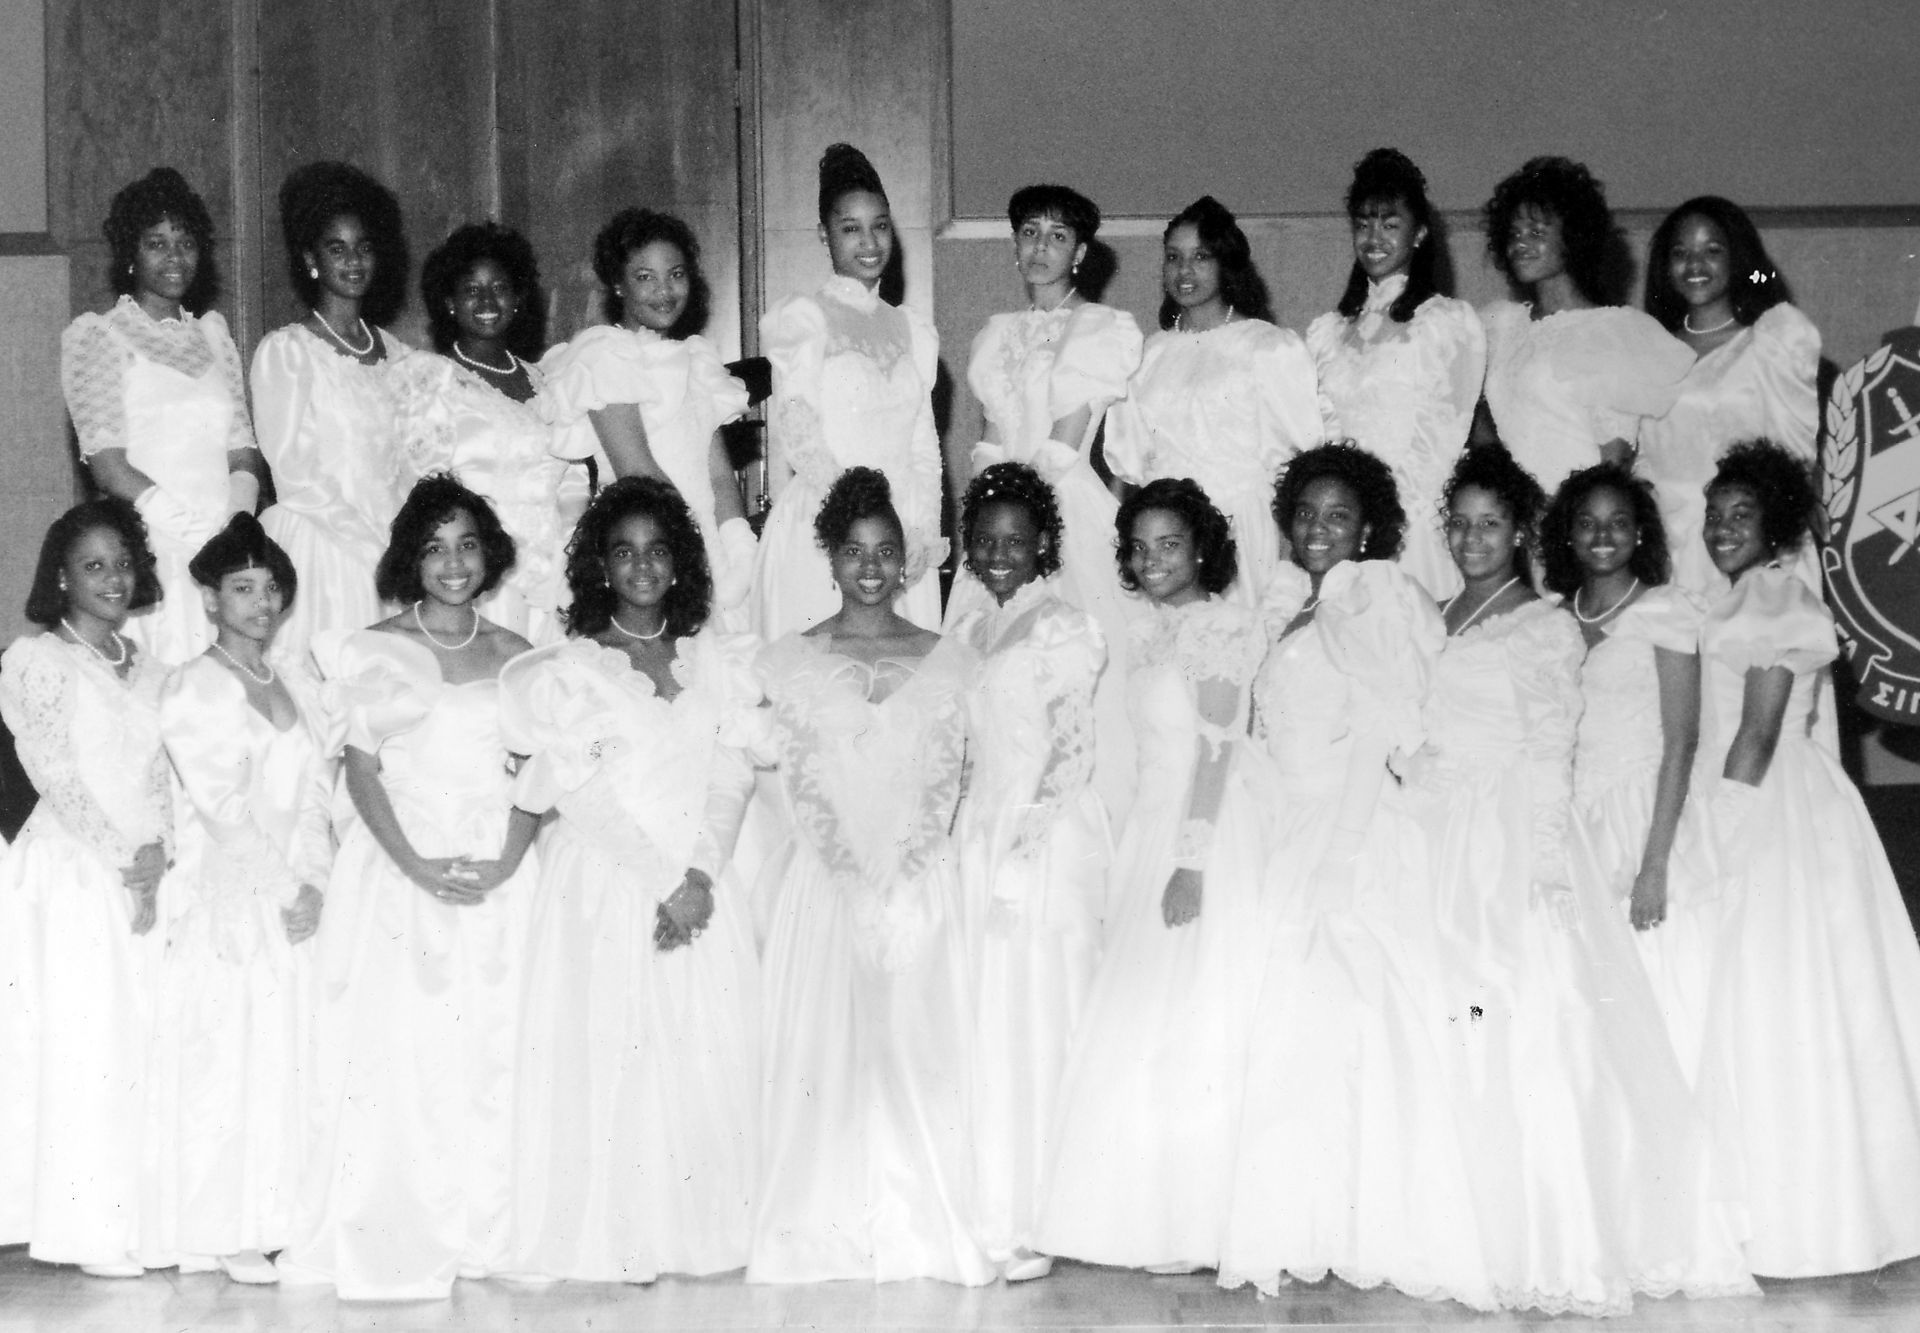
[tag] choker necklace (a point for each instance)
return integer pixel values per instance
(421, 625)
(1482, 607)
(1686, 322)
(644, 638)
(513, 362)
(1594, 620)
(1180, 323)
(115, 662)
(240, 666)
(346, 346)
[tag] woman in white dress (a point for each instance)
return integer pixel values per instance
(644, 395)
(1814, 1020)
(1591, 1167)
(1400, 362)
(638, 1071)
(78, 900)
(159, 400)
(1033, 843)
(323, 402)
(1604, 552)
(865, 1143)
(1711, 283)
(409, 1182)
(1223, 395)
(1045, 377)
(474, 409)
(852, 386)
(1143, 1142)
(248, 744)
(1350, 1158)
(1571, 380)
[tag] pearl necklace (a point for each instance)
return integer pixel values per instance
(643, 638)
(446, 647)
(246, 670)
(513, 362)
(1686, 322)
(1180, 322)
(1594, 620)
(115, 663)
(1466, 624)
(346, 346)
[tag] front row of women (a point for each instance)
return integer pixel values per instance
(1357, 992)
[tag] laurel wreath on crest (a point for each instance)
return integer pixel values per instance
(1839, 478)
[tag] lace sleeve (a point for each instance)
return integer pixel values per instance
(240, 429)
(39, 690)
(93, 372)
(422, 385)
(1219, 647)
(1546, 669)
(793, 336)
(1071, 653)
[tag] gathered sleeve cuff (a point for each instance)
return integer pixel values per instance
(93, 373)
(1384, 634)
(1771, 619)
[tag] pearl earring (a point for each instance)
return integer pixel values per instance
(312, 272)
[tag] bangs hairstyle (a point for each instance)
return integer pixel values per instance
(1754, 284)
(844, 169)
(1382, 178)
(1781, 483)
(1566, 191)
(46, 600)
(243, 544)
(434, 500)
(634, 229)
(455, 257)
(687, 602)
(857, 493)
(1493, 469)
(1241, 285)
(1018, 485)
(1214, 547)
(162, 195)
(1652, 562)
(1371, 482)
(311, 197)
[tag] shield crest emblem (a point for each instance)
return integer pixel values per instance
(1870, 483)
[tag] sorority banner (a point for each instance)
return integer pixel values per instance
(1870, 482)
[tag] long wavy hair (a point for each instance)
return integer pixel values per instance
(688, 602)
(1241, 285)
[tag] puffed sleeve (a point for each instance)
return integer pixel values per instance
(423, 389)
(1384, 634)
(93, 373)
(1771, 619)
(552, 712)
(1323, 343)
(1545, 657)
(709, 379)
(1668, 616)
(1098, 353)
(1629, 369)
(1129, 443)
(1786, 347)
(283, 383)
(1289, 390)
(213, 327)
(375, 685)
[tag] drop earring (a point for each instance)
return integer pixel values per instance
(312, 272)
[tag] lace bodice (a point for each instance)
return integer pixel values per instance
(98, 354)
(1562, 386)
(1504, 707)
(1621, 736)
(873, 783)
(1770, 618)
(1032, 367)
(90, 744)
(1030, 702)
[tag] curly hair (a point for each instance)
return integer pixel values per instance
(311, 197)
(1781, 483)
(845, 170)
(243, 544)
(633, 229)
(47, 602)
(1566, 191)
(1018, 485)
(857, 493)
(1382, 178)
(455, 257)
(1371, 482)
(1241, 285)
(434, 500)
(162, 195)
(688, 602)
(1491, 468)
(1216, 551)
(1652, 563)
(1754, 284)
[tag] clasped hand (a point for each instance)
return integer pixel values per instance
(459, 881)
(142, 879)
(684, 913)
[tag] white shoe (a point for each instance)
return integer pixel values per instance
(250, 1267)
(1026, 1266)
(125, 1268)
(1173, 1270)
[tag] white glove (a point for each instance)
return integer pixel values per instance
(734, 550)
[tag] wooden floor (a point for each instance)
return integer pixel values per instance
(36, 1297)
